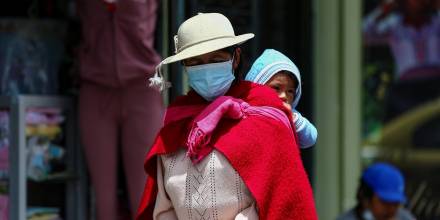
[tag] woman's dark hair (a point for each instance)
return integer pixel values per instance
(364, 192)
(238, 72)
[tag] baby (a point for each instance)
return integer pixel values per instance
(277, 71)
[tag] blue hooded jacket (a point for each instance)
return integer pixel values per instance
(263, 69)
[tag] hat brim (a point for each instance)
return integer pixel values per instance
(207, 47)
(391, 196)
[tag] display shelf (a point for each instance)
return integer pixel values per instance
(73, 178)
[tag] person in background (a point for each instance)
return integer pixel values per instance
(119, 114)
(412, 30)
(277, 71)
(223, 151)
(380, 195)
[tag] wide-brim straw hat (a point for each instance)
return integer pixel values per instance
(201, 34)
(204, 33)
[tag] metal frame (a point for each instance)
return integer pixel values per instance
(76, 187)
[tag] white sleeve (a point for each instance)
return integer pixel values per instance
(249, 213)
(163, 209)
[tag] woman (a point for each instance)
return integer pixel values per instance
(224, 152)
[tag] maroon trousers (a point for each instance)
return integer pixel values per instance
(118, 117)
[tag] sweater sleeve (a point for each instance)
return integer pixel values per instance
(163, 209)
(307, 133)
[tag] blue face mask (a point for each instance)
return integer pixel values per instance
(367, 215)
(211, 80)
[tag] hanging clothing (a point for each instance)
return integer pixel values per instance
(117, 46)
(117, 124)
(118, 112)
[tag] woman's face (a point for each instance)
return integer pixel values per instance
(213, 57)
(285, 86)
(217, 56)
(382, 210)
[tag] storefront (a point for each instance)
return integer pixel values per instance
(345, 82)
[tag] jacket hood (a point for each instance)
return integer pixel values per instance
(270, 63)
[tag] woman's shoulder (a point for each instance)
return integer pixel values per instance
(256, 94)
(252, 93)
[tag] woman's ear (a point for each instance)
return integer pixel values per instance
(236, 61)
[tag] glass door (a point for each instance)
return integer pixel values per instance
(401, 95)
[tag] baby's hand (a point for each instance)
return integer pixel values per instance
(288, 106)
(294, 116)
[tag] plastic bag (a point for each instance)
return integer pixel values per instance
(30, 56)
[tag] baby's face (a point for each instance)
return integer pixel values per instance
(284, 85)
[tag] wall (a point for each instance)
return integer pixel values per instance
(336, 58)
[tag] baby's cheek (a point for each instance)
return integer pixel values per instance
(290, 99)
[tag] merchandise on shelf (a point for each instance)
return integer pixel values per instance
(4, 164)
(43, 213)
(4, 207)
(43, 128)
(42, 141)
(4, 144)
(44, 122)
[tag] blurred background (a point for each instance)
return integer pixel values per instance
(370, 71)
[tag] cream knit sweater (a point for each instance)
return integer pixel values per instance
(211, 189)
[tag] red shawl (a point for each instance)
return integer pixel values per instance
(262, 151)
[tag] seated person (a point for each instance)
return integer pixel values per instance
(380, 195)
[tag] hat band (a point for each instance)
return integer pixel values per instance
(198, 42)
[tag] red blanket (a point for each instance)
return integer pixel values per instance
(262, 150)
